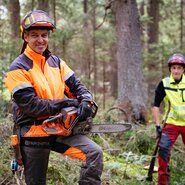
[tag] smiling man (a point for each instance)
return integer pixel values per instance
(172, 90)
(37, 40)
(41, 84)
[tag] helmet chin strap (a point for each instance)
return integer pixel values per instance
(23, 47)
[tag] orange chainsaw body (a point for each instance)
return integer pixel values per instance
(63, 124)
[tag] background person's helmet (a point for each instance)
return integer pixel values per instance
(36, 19)
(176, 59)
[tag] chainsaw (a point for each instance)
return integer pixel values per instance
(67, 122)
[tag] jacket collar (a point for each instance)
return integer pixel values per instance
(172, 81)
(33, 55)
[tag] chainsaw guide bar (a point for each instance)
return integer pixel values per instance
(101, 128)
(110, 128)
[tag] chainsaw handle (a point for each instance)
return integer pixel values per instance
(94, 108)
(53, 118)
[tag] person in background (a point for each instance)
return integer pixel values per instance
(39, 82)
(172, 90)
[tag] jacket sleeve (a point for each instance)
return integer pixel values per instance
(159, 94)
(33, 106)
(75, 89)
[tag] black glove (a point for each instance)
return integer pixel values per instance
(158, 130)
(68, 103)
(84, 110)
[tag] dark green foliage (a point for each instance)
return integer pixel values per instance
(5, 108)
(62, 170)
(5, 150)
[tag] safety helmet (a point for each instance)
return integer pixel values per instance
(176, 59)
(36, 19)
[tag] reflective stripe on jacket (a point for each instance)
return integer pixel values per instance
(175, 93)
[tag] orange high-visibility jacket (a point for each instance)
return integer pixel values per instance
(38, 85)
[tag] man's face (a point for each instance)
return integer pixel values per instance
(177, 71)
(37, 40)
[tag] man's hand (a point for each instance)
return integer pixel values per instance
(158, 130)
(84, 111)
(69, 103)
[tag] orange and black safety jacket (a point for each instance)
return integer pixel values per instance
(39, 84)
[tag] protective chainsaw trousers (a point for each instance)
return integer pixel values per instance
(169, 136)
(35, 153)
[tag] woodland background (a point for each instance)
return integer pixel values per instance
(119, 49)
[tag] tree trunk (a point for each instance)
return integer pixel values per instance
(153, 33)
(32, 4)
(153, 26)
(43, 5)
(53, 8)
(112, 74)
(94, 50)
(181, 24)
(131, 88)
(86, 58)
(14, 11)
(54, 11)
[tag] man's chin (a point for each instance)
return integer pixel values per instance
(177, 78)
(40, 50)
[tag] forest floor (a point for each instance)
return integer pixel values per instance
(125, 159)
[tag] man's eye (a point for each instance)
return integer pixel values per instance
(34, 35)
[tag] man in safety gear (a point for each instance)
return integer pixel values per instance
(172, 90)
(39, 82)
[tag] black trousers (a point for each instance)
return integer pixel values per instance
(36, 151)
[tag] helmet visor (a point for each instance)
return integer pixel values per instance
(37, 18)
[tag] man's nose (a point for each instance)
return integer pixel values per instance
(40, 39)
